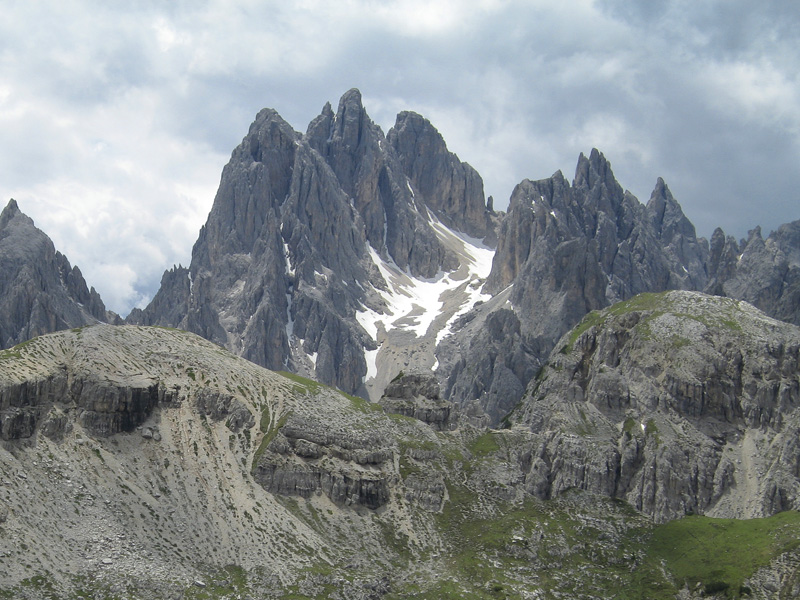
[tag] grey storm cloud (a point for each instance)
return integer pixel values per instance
(116, 119)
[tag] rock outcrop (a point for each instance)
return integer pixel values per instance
(451, 189)
(677, 403)
(417, 396)
(40, 291)
(54, 401)
(765, 273)
(306, 456)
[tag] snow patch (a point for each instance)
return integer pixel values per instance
(289, 267)
(413, 303)
(369, 319)
(371, 356)
(289, 320)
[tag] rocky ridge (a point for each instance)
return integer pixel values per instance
(309, 231)
(349, 256)
(40, 291)
(567, 249)
(678, 403)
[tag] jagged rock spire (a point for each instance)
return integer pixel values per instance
(40, 291)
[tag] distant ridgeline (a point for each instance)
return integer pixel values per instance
(575, 398)
(348, 256)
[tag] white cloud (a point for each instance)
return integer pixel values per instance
(116, 120)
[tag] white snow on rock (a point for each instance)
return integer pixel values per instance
(414, 304)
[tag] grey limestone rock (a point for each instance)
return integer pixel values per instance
(221, 406)
(765, 273)
(306, 456)
(40, 291)
(494, 364)
(662, 400)
(563, 251)
(283, 262)
(102, 408)
(451, 189)
(417, 396)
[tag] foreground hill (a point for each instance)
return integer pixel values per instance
(676, 402)
(142, 462)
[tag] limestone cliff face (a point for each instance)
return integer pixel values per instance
(287, 256)
(310, 455)
(418, 396)
(765, 273)
(569, 249)
(451, 189)
(40, 291)
(676, 402)
(564, 250)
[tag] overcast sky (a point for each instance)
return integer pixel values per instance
(117, 118)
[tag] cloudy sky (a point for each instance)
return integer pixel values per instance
(117, 118)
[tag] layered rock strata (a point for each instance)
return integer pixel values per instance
(678, 403)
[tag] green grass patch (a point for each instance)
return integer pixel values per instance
(263, 423)
(309, 387)
(14, 351)
(268, 437)
(302, 385)
(229, 582)
(485, 445)
(592, 319)
(719, 554)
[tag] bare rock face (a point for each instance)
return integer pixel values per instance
(305, 456)
(417, 396)
(39, 291)
(493, 362)
(451, 189)
(676, 402)
(285, 259)
(765, 273)
(563, 251)
(221, 406)
(102, 407)
(572, 249)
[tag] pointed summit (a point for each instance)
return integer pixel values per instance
(11, 208)
(40, 291)
(451, 188)
(593, 170)
(10, 212)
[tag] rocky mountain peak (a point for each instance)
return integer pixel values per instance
(451, 189)
(9, 212)
(40, 291)
(300, 237)
(595, 170)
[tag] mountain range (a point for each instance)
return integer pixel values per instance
(630, 374)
